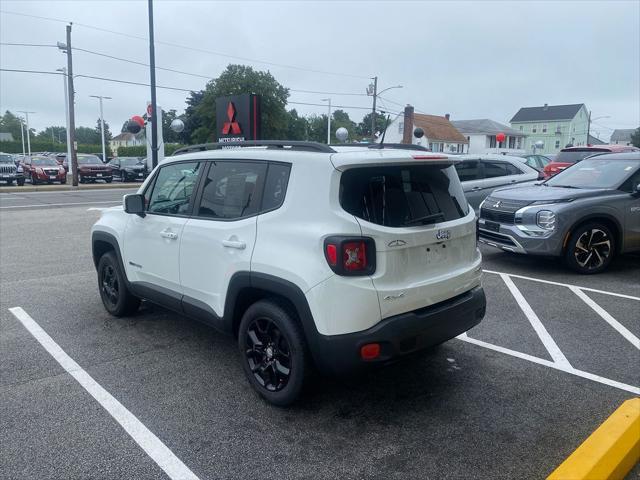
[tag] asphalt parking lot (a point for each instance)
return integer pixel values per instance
(555, 355)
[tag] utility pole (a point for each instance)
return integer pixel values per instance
(104, 151)
(28, 135)
(71, 125)
(588, 127)
(22, 135)
(328, 121)
(373, 111)
(152, 68)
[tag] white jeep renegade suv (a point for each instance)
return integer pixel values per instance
(337, 257)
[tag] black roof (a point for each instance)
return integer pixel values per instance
(547, 112)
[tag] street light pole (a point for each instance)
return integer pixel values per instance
(28, 135)
(22, 135)
(71, 130)
(104, 151)
(66, 112)
(328, 121)
(373, 90)
(152, 71)
(589, 120)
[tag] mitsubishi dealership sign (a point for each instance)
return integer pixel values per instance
(238, 118)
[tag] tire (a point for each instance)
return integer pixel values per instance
(116, 297)
(108, 180)
(274, 353)
(63, 181)
(590, 249)
(9, 183)
(20, 182)
(33, 181)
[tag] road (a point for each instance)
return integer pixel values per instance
(500, 403)
(38, 200)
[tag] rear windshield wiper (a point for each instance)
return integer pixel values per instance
(565, 186)
(426, 219)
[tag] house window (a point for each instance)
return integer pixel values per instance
(492, 141)
(544, 128)
(534, 129)
(519, 143)
(512, 142)
(521, 128)
(557, 143)
(400, 127)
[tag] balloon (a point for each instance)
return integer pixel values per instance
(139, 120)
(500, 137)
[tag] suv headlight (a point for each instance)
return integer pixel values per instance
(546, 219)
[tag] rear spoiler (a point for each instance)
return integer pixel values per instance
(346, 160)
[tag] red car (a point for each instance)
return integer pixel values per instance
(91, 168)
(43, 170)
(570, 155)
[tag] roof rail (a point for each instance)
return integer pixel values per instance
(398, 146)
(282, 144)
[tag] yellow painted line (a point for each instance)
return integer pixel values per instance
(610, 452)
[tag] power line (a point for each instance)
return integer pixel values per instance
(195, 49)
(332, 105)
(28, 71)
(27, 44)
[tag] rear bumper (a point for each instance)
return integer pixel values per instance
(93, 176)
(402, 334)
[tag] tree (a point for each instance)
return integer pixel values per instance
(339, 119)
(88, 136)
(169, 135)
(10, 123)
(107, 132)
(635, 137)
(58, 134)
(237, 80)
(297, 126)
(364, 127)
(317, 131)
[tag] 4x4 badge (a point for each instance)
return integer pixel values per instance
(396, 243)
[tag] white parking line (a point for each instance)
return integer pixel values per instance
(152, 445)
(541, 361)
(621, 329)
(587, 289)
(547, 340)
(64, 204)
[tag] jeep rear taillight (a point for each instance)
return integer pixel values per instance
(350, 256)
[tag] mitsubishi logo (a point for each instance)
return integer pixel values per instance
(497, 204)
(231, 125)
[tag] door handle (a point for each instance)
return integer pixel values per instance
(169, 235)
(475, 189)
(514, 181)
(234, 244)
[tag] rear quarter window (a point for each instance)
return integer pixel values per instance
(399, 196)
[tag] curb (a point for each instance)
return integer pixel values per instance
(610, 452)
(67, 188)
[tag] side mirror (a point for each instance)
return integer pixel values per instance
(636, 190)
(134, 204)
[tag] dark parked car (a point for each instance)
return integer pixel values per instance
(41, 169)
(482, 174)
(9, 171)
(61, 158)
(128, 169)
(586, 214)
(91, 168)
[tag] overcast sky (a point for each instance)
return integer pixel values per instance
(470, 59)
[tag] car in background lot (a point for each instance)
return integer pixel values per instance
(570, 155)
(537, 162)
(43, 169)
(10, 171)
(91, 168)
(61, 158)
(482, 174)
(586, 214)
(128, 169)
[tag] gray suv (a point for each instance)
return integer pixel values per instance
(482, 174)
(9, 171)
(586, 213)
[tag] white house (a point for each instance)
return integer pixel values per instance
(622, 136)
(125, 139)
(439, 134)
(481, 135)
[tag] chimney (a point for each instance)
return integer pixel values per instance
(447, 116)
(546, 106)
(407, 133)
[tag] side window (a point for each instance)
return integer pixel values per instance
(275, 186)
(468, 170)
(513, 170)
(495, 169)
(232, 190)
(172, 189)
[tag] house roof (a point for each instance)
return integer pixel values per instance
(547, 112)
(594, 140)
(484, 126)
(125, 136)
(438, 128)
(622, 134)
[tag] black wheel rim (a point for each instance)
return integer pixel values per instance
(268, 354)
(592, 249)
(110, 285)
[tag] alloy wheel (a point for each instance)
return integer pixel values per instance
(110, 286)
(268, 353)
(592, 249)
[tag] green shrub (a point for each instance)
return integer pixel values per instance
(38, 146)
